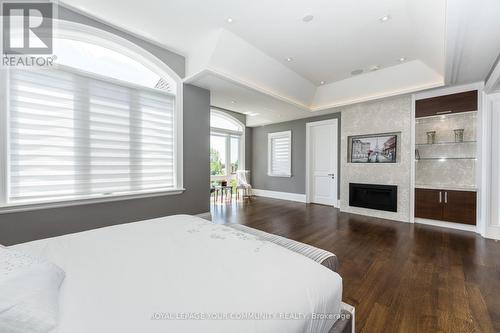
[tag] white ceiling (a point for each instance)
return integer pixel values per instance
(344, 35)
(260, 108)
(246, 60)
(473, 39)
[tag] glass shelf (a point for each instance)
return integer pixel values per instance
(443, 159)
(444, 143)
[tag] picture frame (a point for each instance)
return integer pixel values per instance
(374, 148)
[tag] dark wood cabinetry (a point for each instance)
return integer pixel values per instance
(428, 204)
(455, 103)
(445, 205)
(460, 207)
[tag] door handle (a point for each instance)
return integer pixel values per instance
(440, 197)
(446, 197)
(332, 175)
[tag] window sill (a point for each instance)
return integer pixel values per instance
(21, 207)
(281, 176)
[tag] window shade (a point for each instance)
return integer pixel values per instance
(279, 145)
(73, 135)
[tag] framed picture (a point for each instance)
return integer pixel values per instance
(376, 148)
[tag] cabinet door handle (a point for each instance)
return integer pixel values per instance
(440, 197)
(445, 197)
(444, 112)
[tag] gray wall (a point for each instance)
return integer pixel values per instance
(297, 183)
(249, 150)
(37, 224)
(174, 61)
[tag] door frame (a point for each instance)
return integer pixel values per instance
(335, 122)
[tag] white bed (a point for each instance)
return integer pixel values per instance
(128, 278)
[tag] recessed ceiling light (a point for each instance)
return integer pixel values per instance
(229, 20)
(357, 72)
(374, 68)
(289, 59)
(385, 18)
(233, 102)
(402, 59)
(322, 82)
(307, 18)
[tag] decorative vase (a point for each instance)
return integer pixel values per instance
(431, 137)
(459, 135)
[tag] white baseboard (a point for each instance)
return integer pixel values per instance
(280, 195)
(444, 224)
(493, 232)
(206, 216)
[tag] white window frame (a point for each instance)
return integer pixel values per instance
(228, 134)
(270, 137)
(103, 38)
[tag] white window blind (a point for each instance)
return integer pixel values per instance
(280, 154)
(73, 135)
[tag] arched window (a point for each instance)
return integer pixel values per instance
(227, 145)
(103, 61)
(223, 122)
(104, 121)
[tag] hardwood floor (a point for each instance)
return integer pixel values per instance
(400, 277)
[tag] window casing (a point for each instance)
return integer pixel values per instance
(279, 146)
(115, 140)
(227, 146)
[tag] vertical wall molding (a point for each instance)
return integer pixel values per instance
(492, 148)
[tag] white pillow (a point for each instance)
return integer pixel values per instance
(29, 293)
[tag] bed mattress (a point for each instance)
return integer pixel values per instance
(184, 274)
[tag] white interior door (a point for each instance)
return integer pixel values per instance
(322, 147)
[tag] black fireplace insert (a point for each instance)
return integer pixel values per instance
(380, 197)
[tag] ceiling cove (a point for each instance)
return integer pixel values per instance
(281, 60)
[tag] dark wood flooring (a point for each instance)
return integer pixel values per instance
(400, 277)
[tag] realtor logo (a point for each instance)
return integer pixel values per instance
(27, 28)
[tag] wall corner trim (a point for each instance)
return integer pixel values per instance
(298, 197)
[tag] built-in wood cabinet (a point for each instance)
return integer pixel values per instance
(446, 205)
(454, 103)
(460, 207)
(428, 204)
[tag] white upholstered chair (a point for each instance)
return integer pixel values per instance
(243, 184)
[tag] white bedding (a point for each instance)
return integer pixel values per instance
(138, 277)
